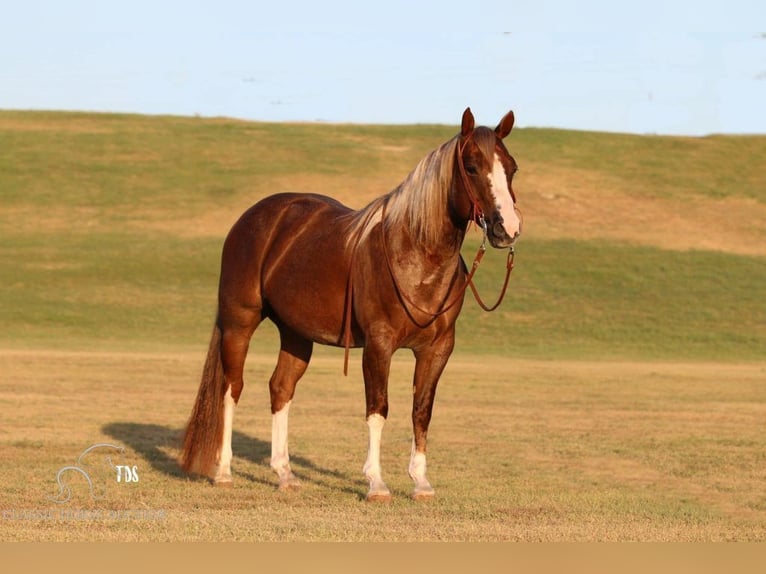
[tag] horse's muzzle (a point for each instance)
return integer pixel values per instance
(499, 237)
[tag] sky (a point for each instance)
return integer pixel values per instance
(685, 67)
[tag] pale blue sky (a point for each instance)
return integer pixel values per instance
(655, 66)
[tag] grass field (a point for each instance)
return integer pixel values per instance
(618, 394)
(564, 451)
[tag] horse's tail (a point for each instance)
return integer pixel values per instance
(204, 433)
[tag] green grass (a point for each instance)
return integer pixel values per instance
(586, 299)
(655, 166)
(115, 163)
(593, 299)
(111, 289)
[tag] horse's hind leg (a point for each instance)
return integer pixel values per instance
(294, 356)
(237, 329)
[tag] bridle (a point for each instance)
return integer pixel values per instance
(476, 216)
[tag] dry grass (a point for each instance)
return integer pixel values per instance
(520, 450)
(569, 203)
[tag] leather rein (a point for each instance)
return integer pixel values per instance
(477, 215)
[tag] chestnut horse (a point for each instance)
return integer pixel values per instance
(385, 277)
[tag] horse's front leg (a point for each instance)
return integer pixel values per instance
(376, 363)
(429, 365)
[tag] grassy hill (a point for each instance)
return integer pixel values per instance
(635, 246)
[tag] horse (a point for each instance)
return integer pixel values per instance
(385, 277)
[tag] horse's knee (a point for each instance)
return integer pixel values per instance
(281, 392)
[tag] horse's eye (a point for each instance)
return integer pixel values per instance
(471, 169)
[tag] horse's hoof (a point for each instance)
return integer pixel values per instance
(380, 496)
(291, 484)
(423, 495)
(223, 482)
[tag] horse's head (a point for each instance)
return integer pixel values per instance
(486, 173)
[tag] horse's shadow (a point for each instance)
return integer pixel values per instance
(152, 442)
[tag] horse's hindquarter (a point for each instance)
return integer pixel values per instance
(297, 245)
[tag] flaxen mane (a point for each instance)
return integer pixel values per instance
(419, 203)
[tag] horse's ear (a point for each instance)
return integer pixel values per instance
(466, 129)
(505, 126)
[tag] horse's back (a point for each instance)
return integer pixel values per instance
(282, 204)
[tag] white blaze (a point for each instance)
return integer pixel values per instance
(498, 182)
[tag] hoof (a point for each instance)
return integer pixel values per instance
(380, 496)
(223, 481)
(291, 484)
(423, 495)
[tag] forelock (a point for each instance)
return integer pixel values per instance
(485, 139)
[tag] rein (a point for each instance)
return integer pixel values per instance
(448, 304)
(476, 215)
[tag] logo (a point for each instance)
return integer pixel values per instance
(96, 475)
(95, 469)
